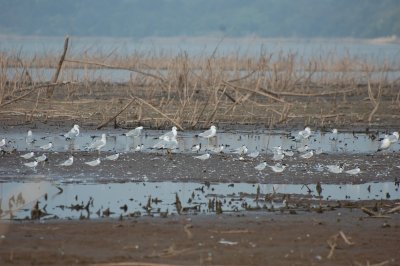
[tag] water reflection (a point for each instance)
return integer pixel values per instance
(145, 198)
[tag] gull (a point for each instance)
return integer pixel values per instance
(94, 163)
(218, 149)
(2, 142)
(31, 164)
(209, 133)
(112, 157)
(41, 158)
(166, 143)
(169, 135)
(336, 169)
(139, 147)
(394, 137)
(68, 162)
(29, 138)
(242, 150)
(353, 171)
(196, 147)
(98, 144)
(203, 157)
(73, 133)
(385, 143)
(307, 155)
(47, 146)
(278, 168)
(303, 149)
(261, 166)
(254, 154)
(304, 134)
(134, 132)
(28, 155)
(334, 134)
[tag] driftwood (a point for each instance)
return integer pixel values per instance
(50, 91)
(115, 116)
(139, 100)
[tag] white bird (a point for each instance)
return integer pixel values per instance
(218, 149)
(353, 171)
(29, 137)
(112, 157)
(28, 155)
(304, 134)
(307, 155)
(166, 143)
(334, 131)
(139, 147)
(99, 143)
(254, 154)
(203, 157)
(261, 166)
(241, 150)
(278, 168)
(288, 153)
(303, 148)
(196, 147)
(385, 143)
(2, 142)
(278, 156)
(41, 158)
(31, 164)
(134, 132)
(394, 137)
(170, 135)
(73, 133)
(209, 133)
(336, 169)
(68, 162)
(94, 163)
(47, 146)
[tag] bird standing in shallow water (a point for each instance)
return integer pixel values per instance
(98, 144)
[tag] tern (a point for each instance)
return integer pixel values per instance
(47, 146)
(278, 168)
(353, 171)
(31, 164)
(2, 142)
(336, 169)
(41, 158)
(139, 147)
(68, 162)
(218, 149)
(112, 157)
(307, 155)
(203, 157)
(28, 155)
(94, 163)
(261, 166)
(134, 132)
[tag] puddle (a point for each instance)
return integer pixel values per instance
(262, 141)
(57, 199)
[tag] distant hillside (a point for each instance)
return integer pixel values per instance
(141, 18)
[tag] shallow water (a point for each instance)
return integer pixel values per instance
(234, 197)
(261, 140)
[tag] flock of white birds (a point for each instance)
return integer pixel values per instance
(169, 142)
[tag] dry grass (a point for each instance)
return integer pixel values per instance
(194, 92)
